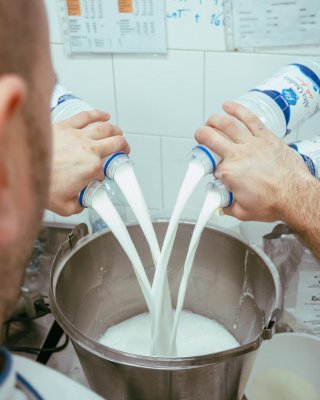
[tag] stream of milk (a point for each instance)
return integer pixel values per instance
(102, 204)
(126, 180)
(135, 335)
(211, 203)
(161, 333)
(158, 330)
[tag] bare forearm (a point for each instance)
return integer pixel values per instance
(302, 214)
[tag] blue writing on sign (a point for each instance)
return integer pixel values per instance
(206, 12)
(217, 19)
(179, 13)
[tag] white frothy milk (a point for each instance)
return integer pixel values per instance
(104, 207)
(196, 335)
(161, 331)
(211, 204)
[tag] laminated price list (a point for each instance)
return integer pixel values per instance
(275, 22)
(125, 26)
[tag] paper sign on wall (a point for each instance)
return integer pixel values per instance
(253, 23)
(195, 24)
(126, 26)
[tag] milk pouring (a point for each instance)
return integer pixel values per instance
(95, 196)
(217, 197)
(118, 167)
(137, 334)
(158, 336)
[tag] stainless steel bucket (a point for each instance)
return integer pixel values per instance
(93, 287)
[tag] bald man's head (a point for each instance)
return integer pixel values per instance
(26, 82)
(19, 35)
(24, 51)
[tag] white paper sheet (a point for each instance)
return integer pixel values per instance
(195, 24)
(259, 23)
(126, 26)
(308, 300)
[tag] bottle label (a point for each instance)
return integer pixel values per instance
(309, 150)
(296, 91)
(60, 94)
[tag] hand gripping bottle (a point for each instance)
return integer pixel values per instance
(64, 104)
(283, 102)
(287, 99)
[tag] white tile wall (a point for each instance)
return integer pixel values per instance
(160, 94)
(310, 128)
(48, 216)
(146, 155)
(174, 165)
(159, 102)
(310, 51)
(53, 20)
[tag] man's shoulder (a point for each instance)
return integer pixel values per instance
(50, 383)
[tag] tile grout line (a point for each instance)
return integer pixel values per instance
(161, 171)
(114, 89)
(204, 87)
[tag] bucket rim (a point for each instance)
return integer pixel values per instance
(130, 359)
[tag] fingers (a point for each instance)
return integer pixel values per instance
(215, 141)
(66, 208)
(102, 130)
(74, 206)
(229, 126)
(250, 120)
(86, 118)
(113, 144)
(235, 210)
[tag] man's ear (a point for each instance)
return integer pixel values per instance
(12, 96)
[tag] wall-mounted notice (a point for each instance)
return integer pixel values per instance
(126, 26)
(195, 24)
(272, 23)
